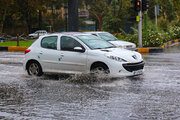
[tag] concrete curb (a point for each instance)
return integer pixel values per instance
(168, 44)
(13, 48)
(150, 50)
(157, 49)
(140, 50)
(2, 48)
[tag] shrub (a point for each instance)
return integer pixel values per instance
(155, 36)
(174, 32)
(154, 39)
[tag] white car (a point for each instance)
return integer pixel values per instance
(37, 34)
(112, 39)
(80, 53)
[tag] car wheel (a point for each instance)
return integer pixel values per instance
(100, 69)
(34, 68)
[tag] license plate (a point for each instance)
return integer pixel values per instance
(138, 72)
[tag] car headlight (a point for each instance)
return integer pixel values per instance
(139, 56)
(116, 58)
(120, 46)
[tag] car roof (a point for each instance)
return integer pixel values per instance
(91, 32)
(69, 33)
(41, 31)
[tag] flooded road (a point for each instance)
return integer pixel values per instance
(154, 95)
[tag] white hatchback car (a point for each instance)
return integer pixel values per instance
(80, 53)
(112, 39)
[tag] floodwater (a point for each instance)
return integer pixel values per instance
(155, 95)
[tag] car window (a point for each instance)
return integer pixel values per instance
(107, 36)
(94, 42)
(49, 42)
(68, 43)
(94, 34)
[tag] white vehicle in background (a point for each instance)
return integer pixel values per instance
(80, 53)
(112, 39)
(37, 34)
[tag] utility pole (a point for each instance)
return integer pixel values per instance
(156, 11)
(140, 6)
(146, 24)
(140, 26)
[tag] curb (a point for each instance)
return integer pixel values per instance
(140, 50)
(168, 44)
(13, 48)
(3, 48)
(150, 50)
(158, 49)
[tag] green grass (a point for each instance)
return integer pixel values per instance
(14, 43)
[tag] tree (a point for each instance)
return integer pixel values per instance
(99, 9)
(5, 6)
(119, 10)
(169, 11)
(177, 7)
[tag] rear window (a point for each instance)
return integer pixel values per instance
(49, 42)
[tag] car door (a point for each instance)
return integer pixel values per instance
(72, 60)
(48, 53)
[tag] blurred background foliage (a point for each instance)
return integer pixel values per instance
(115, 16)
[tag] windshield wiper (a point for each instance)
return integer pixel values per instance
(106, 47)
(112, 40)
(110, 47)
(98, 48)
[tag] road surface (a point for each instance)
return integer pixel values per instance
(154, 95)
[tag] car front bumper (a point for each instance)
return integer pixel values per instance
(127, 69)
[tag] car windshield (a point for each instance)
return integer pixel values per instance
(94, 42)
(107, 36)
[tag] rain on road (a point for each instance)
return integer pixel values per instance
(153, 95)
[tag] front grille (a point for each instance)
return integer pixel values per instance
(134, 66)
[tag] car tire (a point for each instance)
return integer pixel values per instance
(100, 69)
(34, 69)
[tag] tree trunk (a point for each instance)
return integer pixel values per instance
(73, 15)
(53, 18)
(28, 22)
(100, 21)
(100, 25)
(2, 22)
(40, 20)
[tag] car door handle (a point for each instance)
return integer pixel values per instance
(62, 55)
(41, 53)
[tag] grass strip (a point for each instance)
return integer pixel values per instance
(14, 43)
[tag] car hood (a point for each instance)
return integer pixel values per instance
(128, 55)
(123, 44)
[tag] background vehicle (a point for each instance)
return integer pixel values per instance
(112, 39)
(2, 38)
(80, 53)
(37, 34)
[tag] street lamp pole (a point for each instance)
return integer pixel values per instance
(140, 26)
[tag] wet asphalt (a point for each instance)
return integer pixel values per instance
(155, 95)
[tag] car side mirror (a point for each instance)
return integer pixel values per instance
(79, 49)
